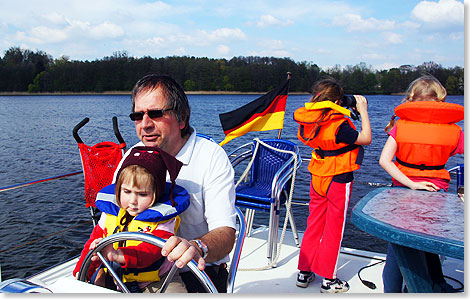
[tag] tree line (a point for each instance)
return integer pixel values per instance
(23, 70)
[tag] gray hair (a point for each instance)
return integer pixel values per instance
(174, 93)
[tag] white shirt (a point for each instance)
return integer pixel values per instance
(208, 176)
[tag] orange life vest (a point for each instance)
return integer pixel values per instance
(328, 157)
(426, 136)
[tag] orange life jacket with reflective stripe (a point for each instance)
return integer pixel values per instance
(426, 136)
(328, 157)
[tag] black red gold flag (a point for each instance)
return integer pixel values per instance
(263, 114)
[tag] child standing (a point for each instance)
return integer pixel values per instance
(421, 142)
(143, 203)
(337, 153)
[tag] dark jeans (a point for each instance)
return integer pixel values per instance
(393, 280)
(218, 275)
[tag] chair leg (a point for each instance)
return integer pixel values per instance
(272, 233)
(294, 229)
(250, 215)
(292, 224)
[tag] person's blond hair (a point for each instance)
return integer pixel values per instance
(137, 176)
(425, 88)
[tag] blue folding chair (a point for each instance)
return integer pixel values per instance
(271, 171)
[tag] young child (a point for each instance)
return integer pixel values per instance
(337, 153)
(141, 204)
(421, 142)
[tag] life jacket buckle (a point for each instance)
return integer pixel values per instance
(320, 152)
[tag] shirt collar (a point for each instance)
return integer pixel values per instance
(184, 155)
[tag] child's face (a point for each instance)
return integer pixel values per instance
(135, 199)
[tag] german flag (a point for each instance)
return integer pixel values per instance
(263, 114)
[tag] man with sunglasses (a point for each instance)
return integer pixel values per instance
(161, 112)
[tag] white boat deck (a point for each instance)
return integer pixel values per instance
(282, 278)
(278, 280)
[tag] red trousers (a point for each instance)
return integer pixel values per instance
(325, 225)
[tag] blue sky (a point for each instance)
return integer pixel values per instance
(381, 33)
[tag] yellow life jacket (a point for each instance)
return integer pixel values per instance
(426, 136)
(147, 221)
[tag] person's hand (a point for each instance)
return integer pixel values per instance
(424, 186)
(93, 246)
(95, 243)
(361, 104)
(181, 251)
(108, 252)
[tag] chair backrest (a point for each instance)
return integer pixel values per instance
(267, 161)
(237, 251)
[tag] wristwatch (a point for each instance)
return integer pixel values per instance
(202, 247)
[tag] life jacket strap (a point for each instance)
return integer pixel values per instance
(420, 166)
(331, 153)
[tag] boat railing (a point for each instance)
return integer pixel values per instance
(20, 185)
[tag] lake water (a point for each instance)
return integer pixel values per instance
(45, 223)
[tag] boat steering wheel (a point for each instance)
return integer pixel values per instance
(151, 239)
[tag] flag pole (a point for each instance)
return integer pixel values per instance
(280, 130)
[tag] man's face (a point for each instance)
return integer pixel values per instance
(164, 131)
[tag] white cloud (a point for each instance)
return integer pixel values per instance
(223, 50)
(48, 35)
(180, 51)
(204, 38)
(3, 26)
(394, 38)
(268, 53)
(154, 8)
(353, 22)
(224, 33)
(456, 36)
(155, 41)
(273, 44)
(386, 66)
(55, 18)
(322, 51)
(269, 20)
(106, 30)
(73, 29)
(441, 12)
(373, 56)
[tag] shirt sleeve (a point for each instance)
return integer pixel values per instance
(346, 134)
(219, 193)
(393, 132)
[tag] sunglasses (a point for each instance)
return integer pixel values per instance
(151, 113)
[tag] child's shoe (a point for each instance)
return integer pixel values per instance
(333, 286)
(304, 278)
